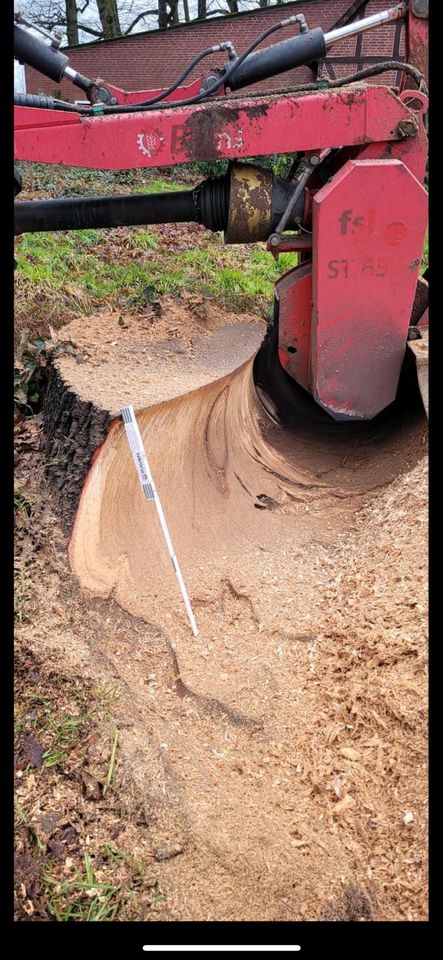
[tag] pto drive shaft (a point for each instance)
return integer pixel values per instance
(217, 203)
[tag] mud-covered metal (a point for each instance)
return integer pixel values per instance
(412, 151)
(418, 38)
(257, 200)
(220, 129)
(250, 204)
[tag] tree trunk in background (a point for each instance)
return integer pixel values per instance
(72, 22)
(201, 10)
(162, 15)
(109, 18)
(186, 11)
(263, 3)
(233, 6)
(174, 14)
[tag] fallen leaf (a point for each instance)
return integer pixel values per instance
(91, 786)
(32, 749)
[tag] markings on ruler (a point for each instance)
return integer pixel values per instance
(148, 491)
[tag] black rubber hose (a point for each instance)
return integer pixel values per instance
(214, 88)
(184, 74)
(199, 97)
(48, 103)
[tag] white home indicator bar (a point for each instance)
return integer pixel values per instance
(221, 948)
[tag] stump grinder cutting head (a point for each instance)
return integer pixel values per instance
(353, 208)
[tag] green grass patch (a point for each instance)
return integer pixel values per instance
(78, 870)
(55, 180)
(66, 733)
(91, 266)
(83, 898)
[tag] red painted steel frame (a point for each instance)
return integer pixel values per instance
(368, 229)
(220, 129)
(294, 295)
(181, 93)
(413, 152)
(344, 386)
(417, 38)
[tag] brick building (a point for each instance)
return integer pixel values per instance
(153, 59)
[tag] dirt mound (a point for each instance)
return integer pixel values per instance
(241, 496)
(291, 727)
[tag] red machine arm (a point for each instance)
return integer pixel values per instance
(343, 315)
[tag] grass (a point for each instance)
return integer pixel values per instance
(111, 767)
(56, 180)
(22, 818)
(93, 881)
(88, 900)
(62, 275)
(87, 268)
(84, 898)
(21, 503)
(66, 733)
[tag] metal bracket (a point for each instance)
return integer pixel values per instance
(294, 244)
(275, 239)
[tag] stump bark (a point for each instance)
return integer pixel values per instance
(74, 429)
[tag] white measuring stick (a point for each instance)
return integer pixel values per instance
(149, 489)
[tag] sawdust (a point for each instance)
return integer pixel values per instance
(277, 754)
(178, 344)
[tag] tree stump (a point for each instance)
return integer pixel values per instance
(139, 360)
